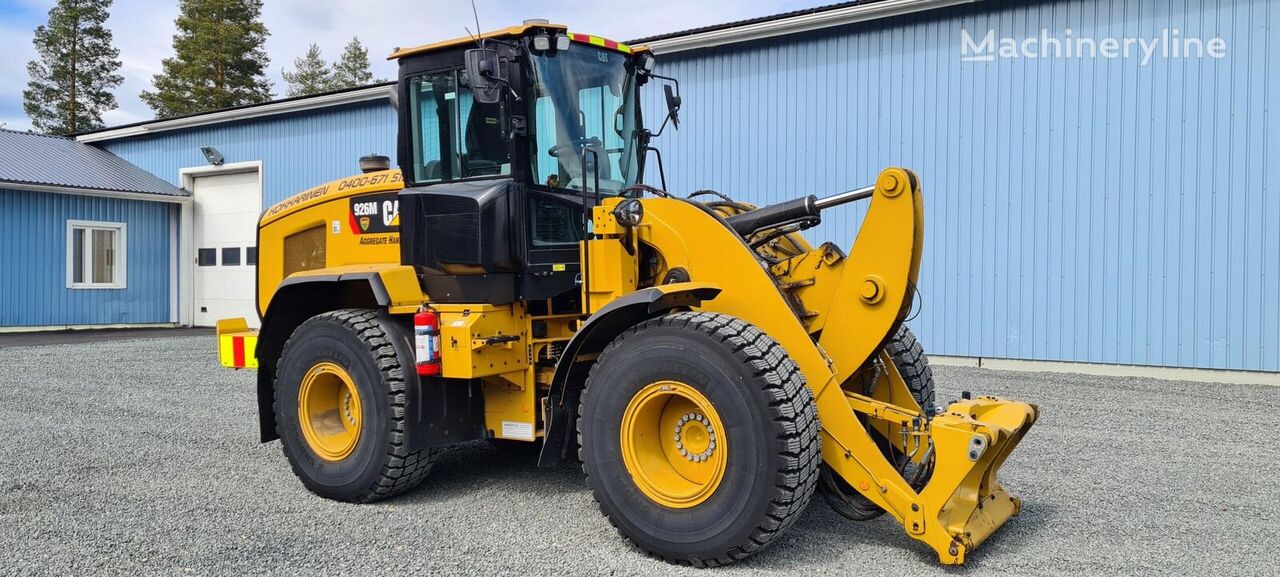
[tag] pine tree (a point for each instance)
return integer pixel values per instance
(352, 69)
(310, 74)
(218, 62)
(71, 80)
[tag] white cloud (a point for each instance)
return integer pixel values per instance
(144, 30)
(16, 44)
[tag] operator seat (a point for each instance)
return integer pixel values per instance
(486, 146)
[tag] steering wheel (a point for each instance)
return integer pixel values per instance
(554, 151)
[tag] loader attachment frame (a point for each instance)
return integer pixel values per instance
(963, 503)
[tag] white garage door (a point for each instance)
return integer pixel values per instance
(225, 235)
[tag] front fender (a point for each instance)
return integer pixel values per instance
(594, 335)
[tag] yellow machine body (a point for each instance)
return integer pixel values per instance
(847, 304)
(337, 246)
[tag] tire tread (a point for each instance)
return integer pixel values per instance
(909, 357)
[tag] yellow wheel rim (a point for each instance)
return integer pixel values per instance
(329, 411)
(673, 444)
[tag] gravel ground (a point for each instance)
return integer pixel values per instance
(141, 457)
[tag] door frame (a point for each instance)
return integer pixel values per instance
(182, 281)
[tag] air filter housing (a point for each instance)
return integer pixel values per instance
(374, 163)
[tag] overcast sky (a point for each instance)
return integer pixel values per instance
(144, 32)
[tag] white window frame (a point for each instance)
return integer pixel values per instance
(120, 251)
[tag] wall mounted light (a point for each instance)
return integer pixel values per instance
(212, 155)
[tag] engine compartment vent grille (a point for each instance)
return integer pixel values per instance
(304, 250)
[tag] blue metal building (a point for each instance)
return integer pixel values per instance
(1081, 206)
(240, 161)
(85, 237)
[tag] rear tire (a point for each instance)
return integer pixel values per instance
(355, 347)
(767, 450)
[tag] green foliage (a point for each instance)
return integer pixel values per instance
(352, 69)
(310, 74)
(75, 71)
(218, 62)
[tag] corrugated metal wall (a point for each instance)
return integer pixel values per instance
(297, 150)
(1077, 209)
(33, 257)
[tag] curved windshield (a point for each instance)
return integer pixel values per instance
(583, 99)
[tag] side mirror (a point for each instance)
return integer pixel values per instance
(673, 105)
(484, 72)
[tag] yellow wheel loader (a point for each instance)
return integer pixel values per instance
(514, 279)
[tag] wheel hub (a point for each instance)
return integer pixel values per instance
(329, 412)
(673, 444)
(695, 437)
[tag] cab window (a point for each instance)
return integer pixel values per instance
(583, 109)
(454, 137)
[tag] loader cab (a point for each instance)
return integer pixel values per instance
(501, 170)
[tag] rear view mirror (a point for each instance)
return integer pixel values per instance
(484, 72)
(673, 105)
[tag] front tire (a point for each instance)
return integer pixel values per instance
(913, 364)
(699, 438)
(340, 405)
(909, 358)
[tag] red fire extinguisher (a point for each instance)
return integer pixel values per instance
(426, 338)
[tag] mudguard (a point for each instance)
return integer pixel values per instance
(596, 333)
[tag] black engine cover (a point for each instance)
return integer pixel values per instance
(459, 236)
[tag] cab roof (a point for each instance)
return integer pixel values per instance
(515, 32)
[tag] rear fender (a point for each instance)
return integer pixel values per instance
(305, 295)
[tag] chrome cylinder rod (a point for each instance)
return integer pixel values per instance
(845, 197)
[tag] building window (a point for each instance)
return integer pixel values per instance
(207, 257)
(231, 256)
(251, 255)
(95, 254)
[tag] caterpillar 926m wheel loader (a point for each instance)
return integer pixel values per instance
(514, 279)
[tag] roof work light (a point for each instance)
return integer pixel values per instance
(541, 42)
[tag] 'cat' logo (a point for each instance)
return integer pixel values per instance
(375, 213)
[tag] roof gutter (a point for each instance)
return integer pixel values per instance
(800, 23)
(148, 196)
(268, 109)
